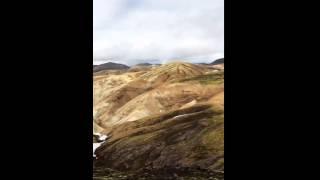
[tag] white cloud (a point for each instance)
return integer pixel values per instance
(129, 30)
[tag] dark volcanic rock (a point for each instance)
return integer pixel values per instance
(95, 138)
(109, 66)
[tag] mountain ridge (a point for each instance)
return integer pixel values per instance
(164, 117)
(109, 66)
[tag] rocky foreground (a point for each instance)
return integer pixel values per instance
(170, 174)
(165, 174)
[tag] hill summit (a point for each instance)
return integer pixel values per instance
(174, 70)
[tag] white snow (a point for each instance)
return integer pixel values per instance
(178, 116)
(103, 137)
(96, 145)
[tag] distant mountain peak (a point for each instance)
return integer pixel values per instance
(218, 61)
(109, 66)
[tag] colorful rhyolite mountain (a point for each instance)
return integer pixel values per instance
(167, 118)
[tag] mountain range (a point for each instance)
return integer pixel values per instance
(109, 66)
(165, 118)
(118, 66)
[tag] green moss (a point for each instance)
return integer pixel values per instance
(136, 140)
(216, 119)
(213, 78)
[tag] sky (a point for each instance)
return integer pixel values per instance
(157, 31)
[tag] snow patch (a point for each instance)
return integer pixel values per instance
(103, 137)
(96, 145)
(178, 116)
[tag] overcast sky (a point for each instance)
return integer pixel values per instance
(133, 31)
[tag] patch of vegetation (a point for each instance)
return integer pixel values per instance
(213, 136)
(164, 174)
(212, 78)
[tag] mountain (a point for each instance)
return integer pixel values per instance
(144, 64)
(167, 117)
(218, 61)
(202, 64)
(174, 70)
(133, 95)
(141, 67)
(109, 66)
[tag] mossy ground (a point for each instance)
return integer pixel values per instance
(168, 174)
(212, 78)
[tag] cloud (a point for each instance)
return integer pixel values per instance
(131, 31)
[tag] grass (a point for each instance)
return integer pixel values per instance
(212, 78)
(214, 136)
